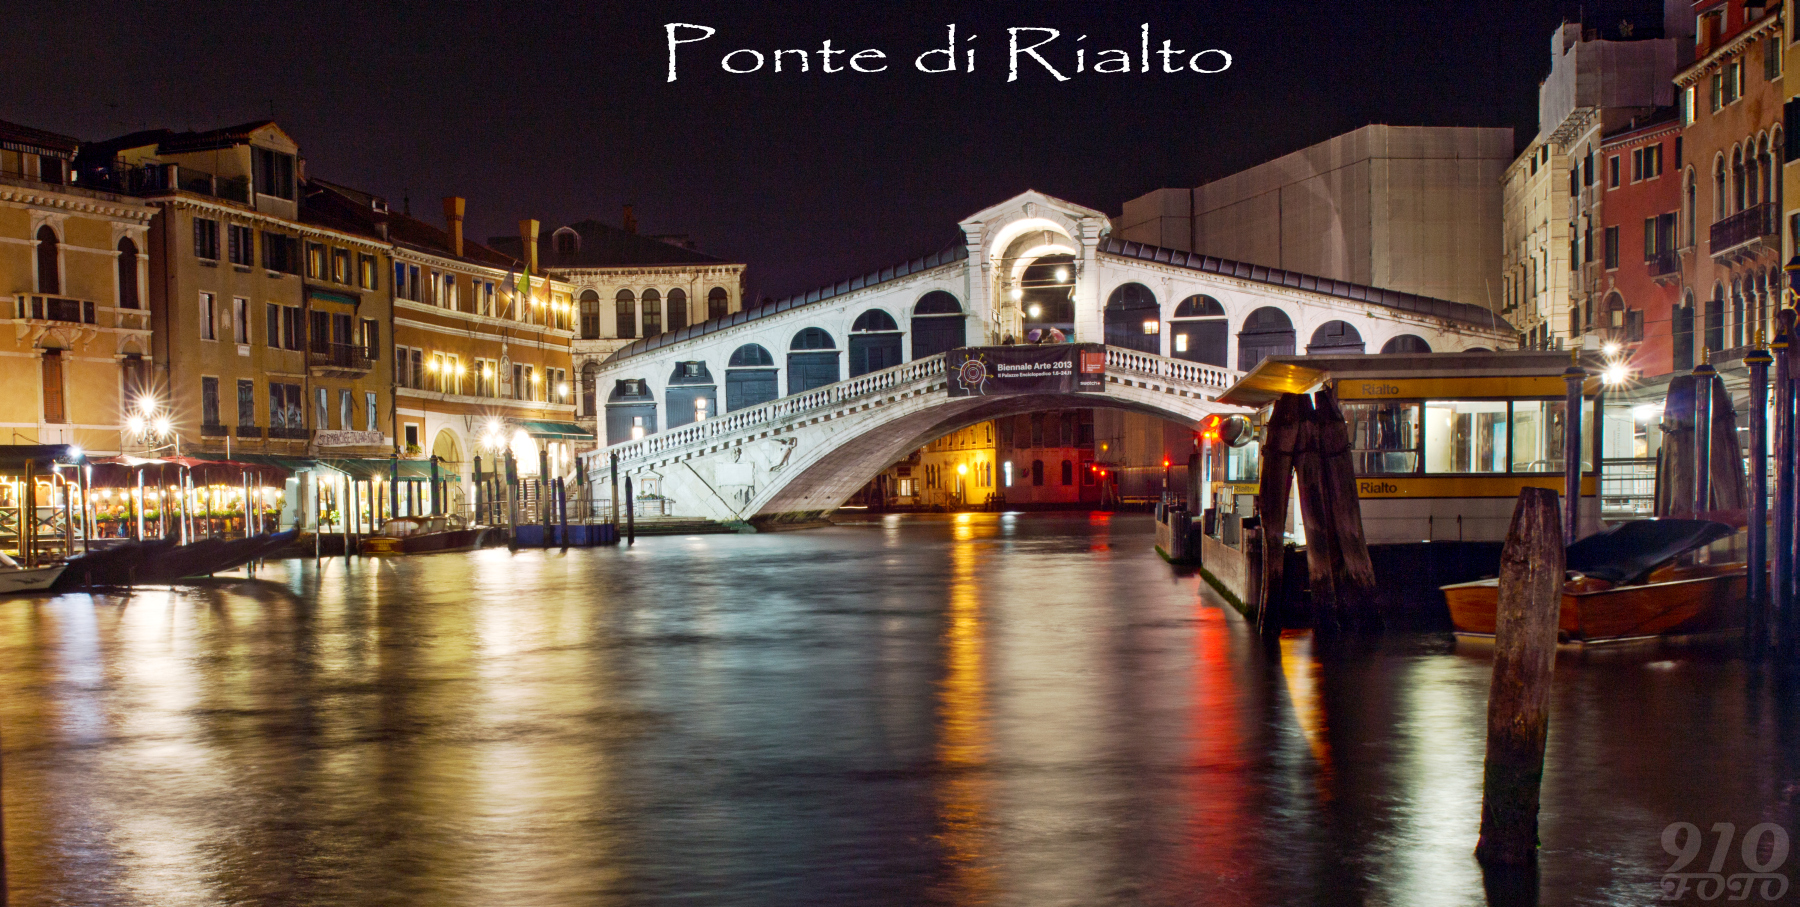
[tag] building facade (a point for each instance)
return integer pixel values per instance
(1408, 208)
(1535, 280)
(626, 286)
(1638, 286)
(268, 321)
(74, 275)
(1731, 98)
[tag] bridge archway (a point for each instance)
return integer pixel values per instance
(1335, 337)
(812, 361)
(938, 324)
(750, 377)
(1406, 343)
(1133, 319)
(874, 342)
(1267, 332)
(1198, 332)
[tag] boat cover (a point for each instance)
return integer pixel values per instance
(1627, 552)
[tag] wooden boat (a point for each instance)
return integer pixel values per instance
(1674, 601)
(1624, 584)
(423, 535)
(15, 579)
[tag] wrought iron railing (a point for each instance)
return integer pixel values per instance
(1746, 226)
(56, 308)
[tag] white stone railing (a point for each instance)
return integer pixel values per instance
(1178, 371)
(843, 392)
(1175, 372)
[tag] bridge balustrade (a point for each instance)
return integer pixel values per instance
(1179, 371)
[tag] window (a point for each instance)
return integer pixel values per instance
(371, 339)
(625, 314)
(246, 403)
(280, 253)
(1068, 473)
(1653, 160)
(209, 317)
(322, 408)
(340, 266)
(209, 401)
(1612, 248)
(652, 313)
(53, 386)
(718, 303)
(418, 369)
(370, 420)
(1771, 59)
(447, 291)
(128, 274)
(240, 319)
(292, 327)
(240, 245)
(366, 272)
(678, 309)
(345, 410)
(273, 172)
(315, 261)
(206, 238)
(518, 382)
(486, 306)
(1465, 436)
(272, 325)
(1612, 170)
(1688, 106)
(590, 315)
(1587, 240)
(284, 409)
(1384, 437)
(412, 435)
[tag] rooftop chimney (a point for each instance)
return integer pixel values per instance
(528, 233)
(453, 216)
(630, 223)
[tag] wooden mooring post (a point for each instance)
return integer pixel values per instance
(1340, 576)
(1531, 582)
(1781, 585)
(1276, 479)
(1756, 593)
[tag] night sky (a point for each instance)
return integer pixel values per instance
(564, 113)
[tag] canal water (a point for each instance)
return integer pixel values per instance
(971, 709)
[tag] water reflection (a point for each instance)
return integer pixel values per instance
(1009, 709)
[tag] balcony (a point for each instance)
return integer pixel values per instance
(339, 360)
(54, 308)
(249, 431)
(156, 179)
(287, 433)
(1664, 267)
(1744, 235)
(213, 430)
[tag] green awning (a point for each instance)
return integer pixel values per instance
(332, 296)
(364, 468)
(538, 429)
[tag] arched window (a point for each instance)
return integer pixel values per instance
(718, 303)
(49, 276)
(937, 324)
(751, 355)
(1267, 332)
(653, 319)
(1335, 337)
(589, 375)
(1719, 196)
(1737, 180)
(625, 315)
(1068, 473)
(1133, 320)
(1734, 329)
(566, 241)
(1681, 333)
(128, 274)
(1715, 319)
(812, 361)
(1691, 209)
(590, 315)
(678, 309)
(874, 342)
(1406, 343)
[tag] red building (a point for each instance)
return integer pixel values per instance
(1640, 174)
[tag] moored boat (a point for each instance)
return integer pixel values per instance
(422, 535)
(16, 579)
(1623, 585)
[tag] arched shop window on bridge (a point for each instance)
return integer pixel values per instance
(1047, 295)
(1406, 343)
(1199, 332)
(812, 361)
(1133, 320)
(937, 324)
(1335, 337)
(874, 343)
(1267, 332)
(691, 396)
(750, 378)
(630, 411)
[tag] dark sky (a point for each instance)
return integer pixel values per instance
(564, 112)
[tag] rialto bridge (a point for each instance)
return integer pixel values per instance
(784, 411)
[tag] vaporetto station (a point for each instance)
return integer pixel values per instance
(782, 412)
